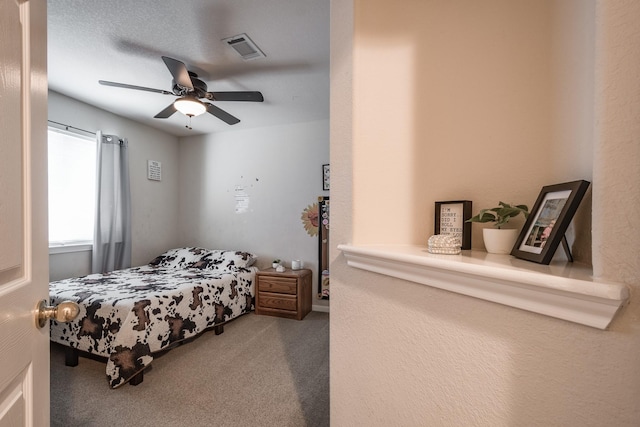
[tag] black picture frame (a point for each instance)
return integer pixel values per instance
(548, 221)
(451, 217)
(326, 177)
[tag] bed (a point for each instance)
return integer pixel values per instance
(128, 316)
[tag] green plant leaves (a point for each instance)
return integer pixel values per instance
(500, 214)
(484, 216)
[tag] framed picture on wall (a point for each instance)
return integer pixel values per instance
(450, 219)
(326, 177)
(548, 221)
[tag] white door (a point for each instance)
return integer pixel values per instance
(24, 265)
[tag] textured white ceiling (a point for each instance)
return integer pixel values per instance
(123, 41)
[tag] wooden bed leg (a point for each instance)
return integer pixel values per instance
(71, 356)
(218, 329)
(137, 379)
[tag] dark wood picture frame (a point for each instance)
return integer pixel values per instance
(548, 221)
(323, 246)
(326, 177)
(448, 216)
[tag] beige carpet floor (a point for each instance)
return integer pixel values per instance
(262, 371)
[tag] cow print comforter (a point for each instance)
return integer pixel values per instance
(128, 315)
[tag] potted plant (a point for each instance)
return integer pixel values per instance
(498, 240)
(276, 262)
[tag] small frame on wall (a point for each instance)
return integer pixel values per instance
(154, 170)
(450, 219)
(326, 177)
(548, 221)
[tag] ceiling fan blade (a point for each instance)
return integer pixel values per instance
(236, 96)
(179, 72)
(222, 115)
(167, 112)
(126, 86)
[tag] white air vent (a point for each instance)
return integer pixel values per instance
(245, 47)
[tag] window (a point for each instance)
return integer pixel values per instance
(72, 182)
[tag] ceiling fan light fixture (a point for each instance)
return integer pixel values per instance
(190, 107)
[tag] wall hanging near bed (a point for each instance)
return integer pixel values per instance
(323, 247)
(112, 233)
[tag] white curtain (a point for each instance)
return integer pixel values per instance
(112, 233)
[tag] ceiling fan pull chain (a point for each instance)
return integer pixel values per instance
(188, 125)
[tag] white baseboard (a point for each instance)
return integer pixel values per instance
(322, 308)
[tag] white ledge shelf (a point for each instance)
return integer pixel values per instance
(562, 290)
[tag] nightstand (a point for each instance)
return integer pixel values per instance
(286, 294)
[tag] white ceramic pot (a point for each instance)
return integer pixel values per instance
(499, 240)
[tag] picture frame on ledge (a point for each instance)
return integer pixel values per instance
(450, 219)
(548, 221)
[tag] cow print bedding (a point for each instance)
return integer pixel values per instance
(128, 315)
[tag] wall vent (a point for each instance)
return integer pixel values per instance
(245, 47)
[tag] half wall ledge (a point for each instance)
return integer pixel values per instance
(562, 290)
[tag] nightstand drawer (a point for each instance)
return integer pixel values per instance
(279, 301)
(283, 285)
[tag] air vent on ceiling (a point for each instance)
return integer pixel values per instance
(245, 47)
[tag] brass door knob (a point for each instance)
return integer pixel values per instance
(64, 312)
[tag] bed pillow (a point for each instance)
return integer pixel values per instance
(203, 259)
(180, 257)
(229, 259)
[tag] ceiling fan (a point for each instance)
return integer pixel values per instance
(190, 90)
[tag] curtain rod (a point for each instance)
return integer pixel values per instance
(67, 127)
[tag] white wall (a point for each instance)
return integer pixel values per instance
(279, 169)
(486, 101)
(482, 101)
(154, 204)
(617, 155)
